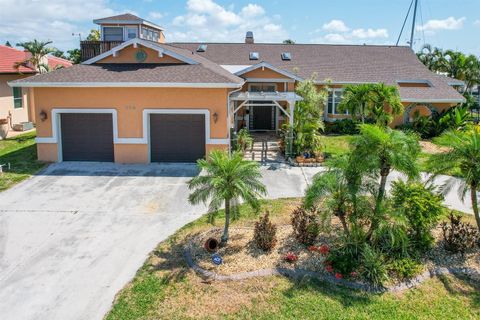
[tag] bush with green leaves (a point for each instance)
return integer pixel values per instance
(347, 257)
(344, 126)
(459, 236)
(244, 140)
(405, 268)
(305, 225)
(374, 268)
(265, 233)
(421, 207)
(392, 239)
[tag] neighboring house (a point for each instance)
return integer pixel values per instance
(16, 101)
(148, 101)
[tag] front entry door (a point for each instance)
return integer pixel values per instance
(262, 118)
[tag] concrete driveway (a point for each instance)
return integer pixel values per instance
(74, 235)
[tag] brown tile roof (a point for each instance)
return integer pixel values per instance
(338, 63)
(204, 71)
(123, 17)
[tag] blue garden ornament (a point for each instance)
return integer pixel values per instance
(216, 259)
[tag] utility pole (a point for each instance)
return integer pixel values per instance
(413, 24)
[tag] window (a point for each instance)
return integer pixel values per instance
(262, 87)
(334, 99)
(286, 56)
(156, 36)
(254, 56)
(132, 32)
(144, 33)
(17, 98)
(112, 33)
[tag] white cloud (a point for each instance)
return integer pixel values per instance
(336, 26)
(206, 20)
(449, 23)
(335, 38)
(24, 20)
(155, 15)
(369, 33)
(477, 23)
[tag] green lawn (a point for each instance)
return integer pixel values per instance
(164, 288)
(336, 145)
(21, 153)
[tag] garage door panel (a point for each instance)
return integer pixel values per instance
(177, 137)
(87, 137)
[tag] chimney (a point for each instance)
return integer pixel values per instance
(249, 37)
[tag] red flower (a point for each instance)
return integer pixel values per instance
(291, 257)
(338, 275)
(312, 248)
(328, 263)
(324, 249)
(353, 274)
(329, 268)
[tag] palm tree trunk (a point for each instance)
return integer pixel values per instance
(224, 238)
(473, 195)
(344, 224)
(384, 172)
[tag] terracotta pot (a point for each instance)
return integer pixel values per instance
(300, 159)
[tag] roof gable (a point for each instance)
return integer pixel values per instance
(130, 55)
(266, 70)
(135, 43)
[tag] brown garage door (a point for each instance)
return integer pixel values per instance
(87, 137)
(177, 137)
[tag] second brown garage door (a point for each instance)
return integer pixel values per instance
(177, 137)
(87, 137)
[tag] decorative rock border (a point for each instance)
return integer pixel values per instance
(302, 273)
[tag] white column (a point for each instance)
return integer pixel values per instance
(291, 106)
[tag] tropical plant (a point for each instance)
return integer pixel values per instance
(244, 140)
(75, 55)
(431, 57)
(405, 268)
(38, 51)
(337, 189)
(391, 238)
(463, 152)
(288, 41)
(459, 236)
(308, 116)
(422, 208)
(305, 225)
(58, 53)
(224, 180)
(374, 268)
(265, 233)
(94, 35)
(382, 150)
(379, 102)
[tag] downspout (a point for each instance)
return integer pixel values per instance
(229, 116)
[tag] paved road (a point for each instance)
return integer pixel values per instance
(74, 235)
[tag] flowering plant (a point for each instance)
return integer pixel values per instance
(329, 268)
(312, 248)
(291, 257)
(338, 275)
(324, 249)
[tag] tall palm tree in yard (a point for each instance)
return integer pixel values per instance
(224, 180)
(38, 50)
(382, 150)
(464, 153)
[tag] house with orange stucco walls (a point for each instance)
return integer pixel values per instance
(138, 99)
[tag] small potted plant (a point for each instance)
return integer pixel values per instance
(4, 126)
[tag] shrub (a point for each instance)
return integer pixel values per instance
(343, 260)
(344, 126)
(265, 233)
(459, 236)
(405, 268)
(421, 207)
(392, 239)
(244, 140)
(374, 269)
(305, 225)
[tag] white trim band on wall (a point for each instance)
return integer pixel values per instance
(55, 116)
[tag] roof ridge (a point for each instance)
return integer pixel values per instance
(295, 44)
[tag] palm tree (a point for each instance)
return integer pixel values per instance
(338, 188)
(356, 99)
(463, 153)
(382, 150)
(385, 103)
(224, 180)
(432, 58)
(38, 50)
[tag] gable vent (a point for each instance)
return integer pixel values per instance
(254, 55)
(286, 56)
(202, 48)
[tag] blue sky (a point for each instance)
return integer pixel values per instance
(442, 23)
